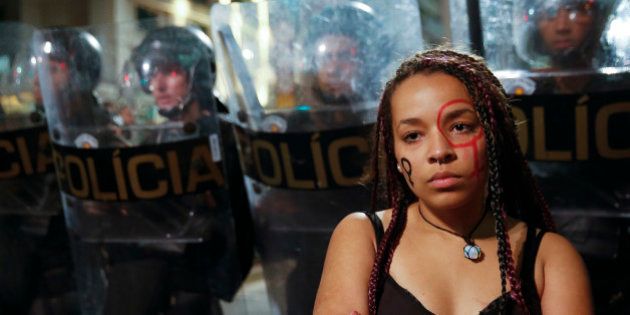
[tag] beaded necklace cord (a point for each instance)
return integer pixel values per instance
(472, 251)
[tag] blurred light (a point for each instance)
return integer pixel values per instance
(617, 34)
(182, 9)
(33, 60)
(321, 48)
(613, 70)
(47, 47)
(146, 66)
(92, 40)
(363, 6)
(225, 1)
(248, 54)
(263, 50)
(18, 69)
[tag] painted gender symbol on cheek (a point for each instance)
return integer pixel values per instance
(406, 166)
(473, 143)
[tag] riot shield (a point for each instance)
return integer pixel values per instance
(139, 160)
(567, 70)
(27, 181)
(302, 82)
(36, 270)
(114, 152)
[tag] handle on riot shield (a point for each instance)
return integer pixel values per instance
(252, 104)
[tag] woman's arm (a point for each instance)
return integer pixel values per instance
(566, 288)
(344, 284)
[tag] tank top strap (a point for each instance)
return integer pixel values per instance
(530, 251)
(376, 224)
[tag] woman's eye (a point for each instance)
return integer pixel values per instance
(411, 137)
(462, 128)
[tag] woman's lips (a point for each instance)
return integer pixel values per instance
(442, 180)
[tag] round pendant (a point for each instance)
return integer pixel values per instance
(472, 251)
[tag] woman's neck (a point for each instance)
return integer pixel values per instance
(460, 220)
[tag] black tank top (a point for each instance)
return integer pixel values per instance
(395, 299)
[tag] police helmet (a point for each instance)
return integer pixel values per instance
(355, 20)
(183, 48)
(529, 43)
(358, 22)
(79, 50)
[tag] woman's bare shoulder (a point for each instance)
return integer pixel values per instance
(554, 245)
(555, 249)
(566, 287)
(351, 251)
(358, 222)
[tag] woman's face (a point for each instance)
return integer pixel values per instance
(439, 142)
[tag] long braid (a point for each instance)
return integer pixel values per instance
(503, 151)
(376, 156)
(396, 196)
(391, 237)
(497, 204)
(544, 218)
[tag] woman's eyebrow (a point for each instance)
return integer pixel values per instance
(450, 115)
(413, 121)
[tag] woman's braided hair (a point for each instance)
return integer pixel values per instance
(511, 188)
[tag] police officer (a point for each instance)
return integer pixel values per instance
(340, 52)
(344, 55)
(564, 36)
(175, 66)
(73, 70)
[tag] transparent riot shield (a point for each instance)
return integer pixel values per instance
(128, 172)
(139, 160)
(302, 81)
(568, 71)
(34, 251)
(27, 180)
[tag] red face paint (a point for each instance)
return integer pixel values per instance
(473, 143)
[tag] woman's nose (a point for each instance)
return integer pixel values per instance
(440, 149)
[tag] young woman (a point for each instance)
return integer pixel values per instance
(467, 229)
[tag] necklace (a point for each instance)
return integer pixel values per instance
(472, 251)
